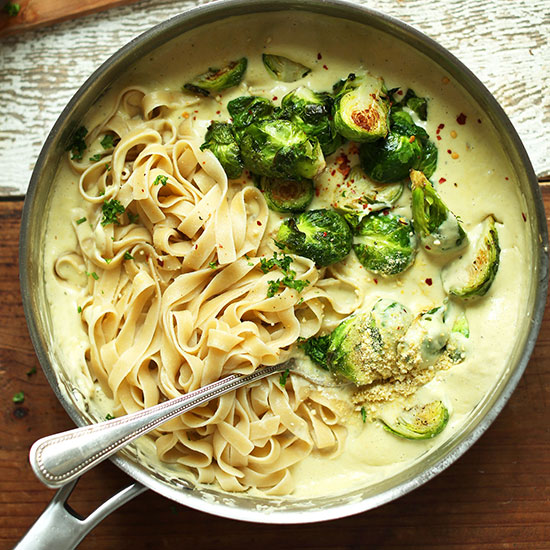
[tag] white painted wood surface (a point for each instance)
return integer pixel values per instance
(506, 43)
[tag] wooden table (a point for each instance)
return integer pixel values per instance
(497, 496)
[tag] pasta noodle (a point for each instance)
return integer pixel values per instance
(176, 300)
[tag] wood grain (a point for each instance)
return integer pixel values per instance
(505, 43)
(37, 13)
(495, 497)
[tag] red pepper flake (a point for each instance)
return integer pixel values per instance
(274, 98)
(439, 128)
(317, 192)
(259, 222)
(375, 281)
(196, 246)
(449, 151)
(506, 178)
(333, 173)
(524, 217)
(429, 281)
(479, 121)
(411, 139)
(438, 138)
(399, 92)
(325, 67)
(324, 233)
(218, 112)
(386, 212)
(160, 261)
(461, 119)
(442, 180)
(427, 247)
(319, 56)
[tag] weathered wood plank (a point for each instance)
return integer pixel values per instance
(495, 497)
(505, 43)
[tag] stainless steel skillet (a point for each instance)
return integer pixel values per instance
(207, 499)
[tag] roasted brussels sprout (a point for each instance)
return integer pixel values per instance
(457, 345)
(420, 422)
(312, 112)
(472, 274)
(419, 105)
(361, 196)
(286, 195)
(361, 108)
(280, 149)
(284, 69)
(245, 110)
(320, 235)
(424, 342)
(437, 227)
(216, 80)
(388, 322)
(220, 139)
(385, 243)
(407, 146)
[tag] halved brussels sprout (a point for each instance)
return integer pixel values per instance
(388, 322)
(437, 227)
(457, 345)
(361, 196)
(285, 195)
(418, 105)
(312, 112)
(280, 149)
(320, 235)
(284, 69)
(420, 422)
(472, 274)
(216, 80)
(361, 108)
(424, 342)
(385, 243)
(406, 146)
(220, 139)
(245, 110)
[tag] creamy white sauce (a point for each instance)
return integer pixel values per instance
(479, 182)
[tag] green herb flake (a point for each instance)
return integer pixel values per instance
(161, 179)
(128, 256)
(363, 414)
(132, 217)
(94, 275)
(108, 260)
(109, 417)
(31, 371)
(95, 158)
(283, 378)
(79, 309)
(107, 141)
(81, 220)
(107, 167)
(12, 9)
(77, 145)
(18, 398)
(111, 209)
(213, 265)
(282, 261)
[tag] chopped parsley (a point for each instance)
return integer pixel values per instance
(95, 158)
(107, 167)
(79, 309)
(213, 265)
(107, 141)
(109, 417)
(282, 261)
(128, 256)
(132, 217)
(19, 397)
(108, 260)
(31, 371)
(363, 414)
(94, 275)
(12, 9)
(111, 209)
(81, 220)
(283, 378)
(77, 145)
(161, 179)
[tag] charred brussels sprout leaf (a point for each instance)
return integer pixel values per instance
(420, 422)
(284, 69)
(437, 227)
(316, 349)
(280, 149)
(220, 139)
(388, 322)
(472, 274)
(312, 112)
(407, 146)
(361, 108)
(216, 80)
(245, 110)
(457, 345)
(425, 340)
(286, 195)
(361, 196)
(320, 235)
(385, 243)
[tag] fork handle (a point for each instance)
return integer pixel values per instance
(60, 458)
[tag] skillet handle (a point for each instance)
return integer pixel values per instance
(62, 528)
